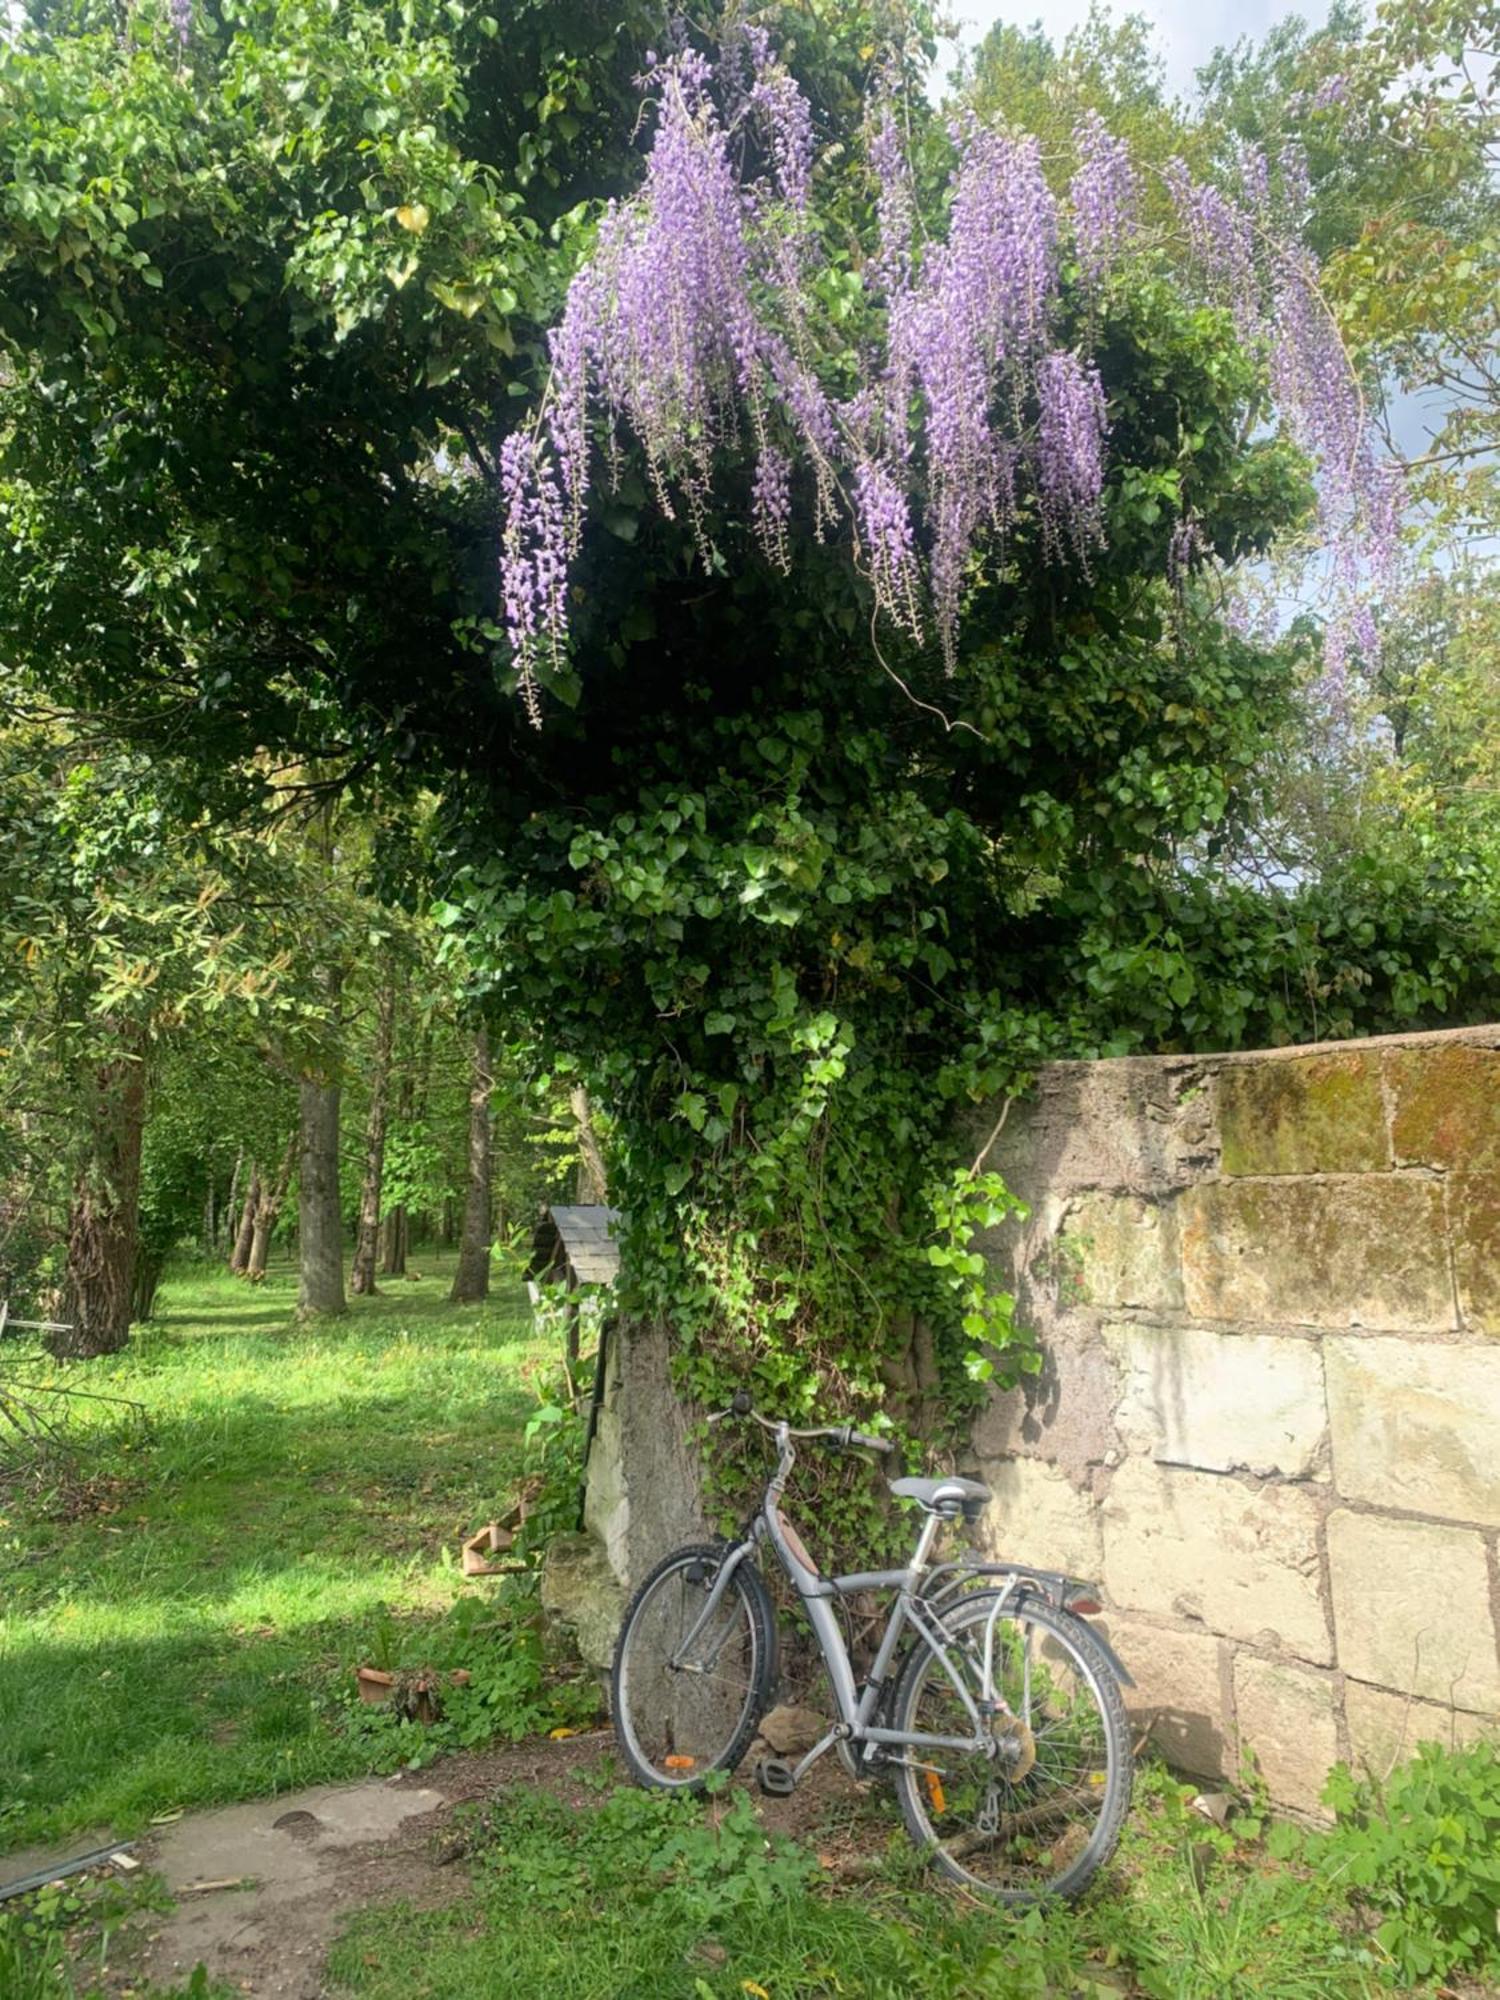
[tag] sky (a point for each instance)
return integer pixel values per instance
(1188, 31)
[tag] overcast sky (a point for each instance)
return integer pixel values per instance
(1188, 31)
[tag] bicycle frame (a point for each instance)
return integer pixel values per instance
(857, 1707)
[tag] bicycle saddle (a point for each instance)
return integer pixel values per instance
(945, 1496)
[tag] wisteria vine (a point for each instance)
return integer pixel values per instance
(691, 329)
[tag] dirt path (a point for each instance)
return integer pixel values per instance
(260, 1891)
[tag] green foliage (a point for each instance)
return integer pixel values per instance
(55, 1943)
(1422, 1852)
(554, 1437)
(32, 1959)
(969, 1203)
(698, 1864)
(696, 1900)
(511, 1682)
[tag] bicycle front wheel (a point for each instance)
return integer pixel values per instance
(688, 1693)
(1042, 1813)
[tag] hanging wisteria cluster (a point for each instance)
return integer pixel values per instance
(691, 332)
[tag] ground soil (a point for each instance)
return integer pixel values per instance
(259, 1892)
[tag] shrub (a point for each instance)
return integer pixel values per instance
(1422, 1852)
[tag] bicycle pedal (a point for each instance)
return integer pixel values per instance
(775, 1778)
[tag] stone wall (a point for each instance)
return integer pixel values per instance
(1268, 1290)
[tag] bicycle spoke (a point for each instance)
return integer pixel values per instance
(684, 1694)
(1014, 1827)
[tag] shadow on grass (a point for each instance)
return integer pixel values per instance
(110, 1734)
(184, 1633)
(213, 1501)
(211, 1302)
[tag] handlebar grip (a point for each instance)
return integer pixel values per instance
(741, 1403)
(871, 1443)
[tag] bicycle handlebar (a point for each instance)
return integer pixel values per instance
(844, 1435)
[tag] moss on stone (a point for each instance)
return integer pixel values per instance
(1314, 1114)
(1447, 1106)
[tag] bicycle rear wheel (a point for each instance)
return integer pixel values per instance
(680, 1715)
(1043, 1814)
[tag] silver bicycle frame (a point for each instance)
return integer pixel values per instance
(856, 1708)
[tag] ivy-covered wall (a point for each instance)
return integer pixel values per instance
(1267, 1289)
(1267, 1292)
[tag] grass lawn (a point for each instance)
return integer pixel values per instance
(178, 1629)
(637, 1897)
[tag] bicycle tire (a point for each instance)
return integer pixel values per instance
(703, 1723)
(1089, 1727)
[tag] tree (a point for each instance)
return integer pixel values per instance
(471, 1281)
(122, 925)
(367, 1240)
(780, 881)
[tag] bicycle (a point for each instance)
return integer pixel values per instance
(991, 1703)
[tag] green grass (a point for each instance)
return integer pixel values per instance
(185, 1637)
(644, 1898)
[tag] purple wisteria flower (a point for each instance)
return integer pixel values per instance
(890, 546)
(695, 328)
(1186, 550)
(1105, 198)
(1221, 237)
(786, 117)
(533, 560)
(1070, 453)
(895, 210)
(771, 503)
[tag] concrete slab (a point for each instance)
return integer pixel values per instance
(292, 1854)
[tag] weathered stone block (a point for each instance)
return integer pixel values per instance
(1303, 1115)
(1179, 1691)
(1288, 1721)
(1384, 1729)
(645, 1491)
(1118, 1250)
(1040, 1516)
(1067, 1412)
(1221, 1401)
(1411, 1607)
(1195, 1545)
(1417, 1426)
(1474, 1228)
(1141, 1123)
(581, 1593)
(1446, 1106)
(1366, 1252)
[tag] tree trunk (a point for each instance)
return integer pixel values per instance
(229, 1217)
(149, 1265)
(592, 1182)
(104, 1219)
(367, 1242)
(269, 1195)
(320, 1221)
(393, 1237)
(239, 1256)
(471, 1282)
